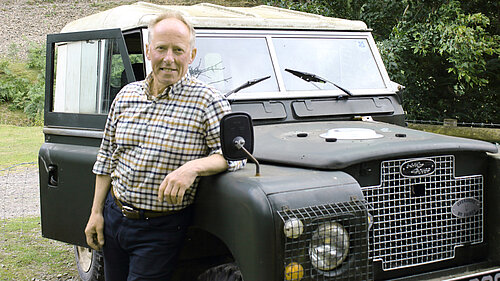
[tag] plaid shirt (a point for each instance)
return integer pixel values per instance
(146, 138)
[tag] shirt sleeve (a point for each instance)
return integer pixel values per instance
(104, 163)
(216, 110)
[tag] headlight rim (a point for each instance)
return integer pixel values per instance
(331, 271)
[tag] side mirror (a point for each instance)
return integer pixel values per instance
(236, 132)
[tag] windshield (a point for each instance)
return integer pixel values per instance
(228, 62)
(346, 62)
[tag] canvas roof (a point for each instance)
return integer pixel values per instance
(212, 16)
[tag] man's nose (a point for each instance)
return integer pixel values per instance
(169, 56)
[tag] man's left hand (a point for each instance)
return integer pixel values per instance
(175, 184)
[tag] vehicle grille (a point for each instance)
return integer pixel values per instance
(353, 217)
(413, 220)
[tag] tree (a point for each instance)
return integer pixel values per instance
(445, 52)
(445, 57)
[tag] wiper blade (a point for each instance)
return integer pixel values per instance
(309, 77)
(246, 85)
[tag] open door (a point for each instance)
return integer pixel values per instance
(83, 75)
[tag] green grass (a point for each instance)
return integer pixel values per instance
(26, 255)
(19, 144)
(484, 134)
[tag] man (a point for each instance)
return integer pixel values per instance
(162, 133)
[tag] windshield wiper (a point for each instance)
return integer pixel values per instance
(246, 85)
(309, 77)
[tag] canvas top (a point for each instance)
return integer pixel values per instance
(213, 16)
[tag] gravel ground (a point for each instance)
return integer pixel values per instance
(19, 192)
(29, 21)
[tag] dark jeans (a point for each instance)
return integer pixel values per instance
(143, 249)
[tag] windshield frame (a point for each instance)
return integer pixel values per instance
(269, 35)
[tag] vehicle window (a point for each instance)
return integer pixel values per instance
(81, 81)
(348, 63)
(227, 63)
(118, 78)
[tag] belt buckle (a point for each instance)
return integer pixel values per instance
(130, 213)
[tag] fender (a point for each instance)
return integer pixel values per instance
(241, 210)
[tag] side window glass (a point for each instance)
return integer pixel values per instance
(82, 80)
(118, 77)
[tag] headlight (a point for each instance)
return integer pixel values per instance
(329, 246)
(293, 228)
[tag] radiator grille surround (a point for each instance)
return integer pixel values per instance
(415, 217)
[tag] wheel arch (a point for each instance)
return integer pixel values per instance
(237, 211)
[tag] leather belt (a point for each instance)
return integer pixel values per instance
(135, 214)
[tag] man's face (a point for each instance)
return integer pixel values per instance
(170, 52)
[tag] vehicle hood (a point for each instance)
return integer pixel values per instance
(301, 144)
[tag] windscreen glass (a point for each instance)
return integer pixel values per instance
(347, 62)
(228, 63)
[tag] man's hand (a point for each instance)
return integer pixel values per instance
(175, 184)
(94, 231)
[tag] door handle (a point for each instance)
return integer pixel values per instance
(53, 177)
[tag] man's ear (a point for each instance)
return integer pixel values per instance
(147, 52)
(193, 54)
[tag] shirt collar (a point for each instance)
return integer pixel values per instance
(176, 88)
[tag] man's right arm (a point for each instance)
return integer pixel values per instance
(94, 231)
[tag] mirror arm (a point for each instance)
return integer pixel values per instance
(257, 165)
(239, 143)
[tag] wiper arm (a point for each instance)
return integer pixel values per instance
(246, 85)
(309, 77)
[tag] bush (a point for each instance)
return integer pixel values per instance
(22, 84)
(447, 60)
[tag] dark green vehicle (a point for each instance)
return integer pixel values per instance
(344, 192)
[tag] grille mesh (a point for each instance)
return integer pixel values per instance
(353, 217)
(413, 222)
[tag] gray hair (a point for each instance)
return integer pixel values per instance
(176, 15)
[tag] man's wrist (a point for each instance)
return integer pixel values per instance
(97, 210)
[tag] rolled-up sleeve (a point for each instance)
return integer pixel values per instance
(104, 163)
(217, 109)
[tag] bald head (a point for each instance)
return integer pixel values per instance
(172, 14)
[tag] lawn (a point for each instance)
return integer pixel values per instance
(26, 255)
(19, 144)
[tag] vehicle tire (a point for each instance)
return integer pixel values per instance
(224, 272)
(90, 264)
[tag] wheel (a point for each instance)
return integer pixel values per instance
(224, 272)
(90, 264)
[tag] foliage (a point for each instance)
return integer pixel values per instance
(445, 52)
(446, 58)
(339, 8)
(22, 85)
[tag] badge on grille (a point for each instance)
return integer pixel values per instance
(417, 168)
(466, 207)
